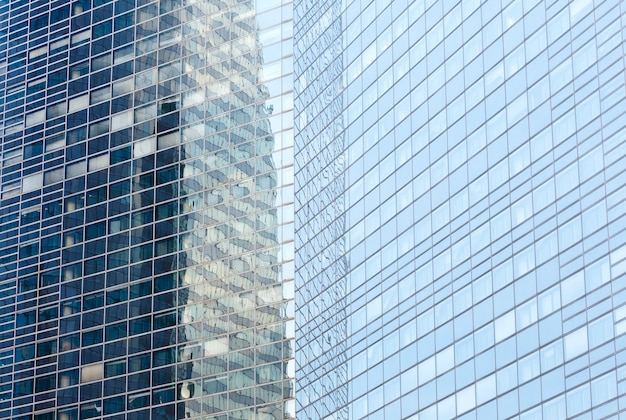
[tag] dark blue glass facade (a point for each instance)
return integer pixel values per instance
(146, 209)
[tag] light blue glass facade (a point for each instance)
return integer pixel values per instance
(146, 209)
(460, 200)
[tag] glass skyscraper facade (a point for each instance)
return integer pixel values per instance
(146, 209)
(460, 195)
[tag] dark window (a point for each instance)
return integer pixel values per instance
(46, 348)
(122, 103)
(99, 111)
(76, 152)
(114, 405)
(59, 14)
(39, 22)
(100, 78)
(92, 337)
(101, 45)
(23, 388)
(59, 76)
(115, 331)
(124, 37)
(124, 21)
(122, 6)
(120, 155)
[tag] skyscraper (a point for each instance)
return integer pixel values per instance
(146, 246)
(460, 195)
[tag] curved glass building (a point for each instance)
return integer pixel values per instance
(146, 222)
(460, 192)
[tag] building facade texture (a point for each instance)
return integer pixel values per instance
(146, 209)
(460, 209)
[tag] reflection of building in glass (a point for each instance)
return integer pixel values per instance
(463, 231)
(145, 253)
(321, 345)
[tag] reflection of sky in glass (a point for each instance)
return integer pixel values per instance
(478, 187)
